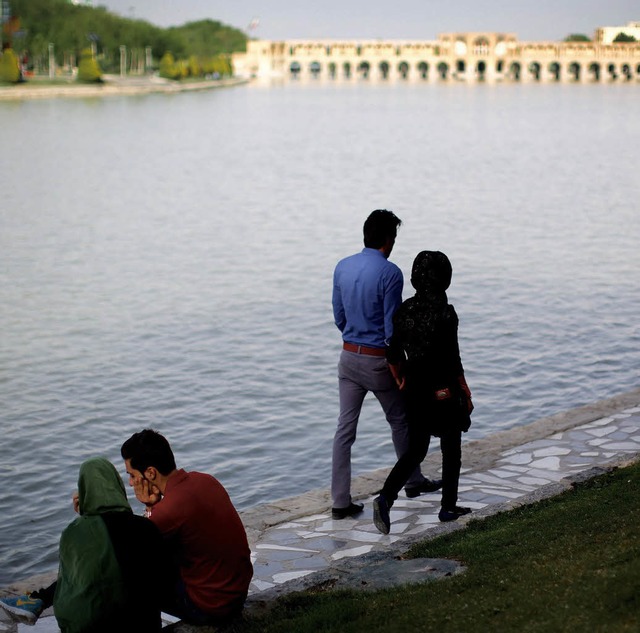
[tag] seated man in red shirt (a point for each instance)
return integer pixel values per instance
(201, 528)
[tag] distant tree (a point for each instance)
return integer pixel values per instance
(219, 65)
(207, 38)
(68, 27)
(88, 69)
(623, 37)
(577, 37)
(9, 67)
(224, 65)
(168, 68)
(183, 69)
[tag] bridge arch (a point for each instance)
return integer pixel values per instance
(460, 47)
(595, 71)
(535, 69)
(403, 70)
(515, 70)
(346, 70)
(501, 48)
(364, 68)
(423, 69)
(315, 68)
(443, 70)
(554, 70)
(383, 68)
(574, 71)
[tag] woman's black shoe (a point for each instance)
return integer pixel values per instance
(428, 485)
(453, 513)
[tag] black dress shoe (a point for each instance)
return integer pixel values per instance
(351, 510)
(452, 514)
(428, 485)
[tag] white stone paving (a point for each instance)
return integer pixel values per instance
(320, 540)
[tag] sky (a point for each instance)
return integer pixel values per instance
(529, 20)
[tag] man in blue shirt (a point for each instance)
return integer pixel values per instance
(367, 290)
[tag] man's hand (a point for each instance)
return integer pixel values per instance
(145, 491)
(398, 375)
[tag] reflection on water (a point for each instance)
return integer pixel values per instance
(166, 262)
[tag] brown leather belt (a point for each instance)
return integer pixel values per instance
(361, 349)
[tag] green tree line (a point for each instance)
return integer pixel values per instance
(74, 28)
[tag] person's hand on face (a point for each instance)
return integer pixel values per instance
(145, 490)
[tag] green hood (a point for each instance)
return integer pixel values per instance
(90, 584)
(100, 488)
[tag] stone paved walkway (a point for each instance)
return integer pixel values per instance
(299, 548)
(296, 544)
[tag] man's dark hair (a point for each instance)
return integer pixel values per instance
(379, 227)
(149, 448)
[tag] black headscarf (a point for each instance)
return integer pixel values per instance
(431, 273)
(425, 327)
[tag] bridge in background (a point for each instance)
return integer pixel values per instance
(468, 57)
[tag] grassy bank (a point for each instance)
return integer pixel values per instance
(570, 563)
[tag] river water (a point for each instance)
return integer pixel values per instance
(166, 262)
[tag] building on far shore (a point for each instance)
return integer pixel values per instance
(606, 34)
(469, 57)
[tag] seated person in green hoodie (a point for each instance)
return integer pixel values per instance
(100, 585)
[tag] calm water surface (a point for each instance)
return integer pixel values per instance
(166, 262)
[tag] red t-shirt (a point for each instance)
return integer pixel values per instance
(200, 524)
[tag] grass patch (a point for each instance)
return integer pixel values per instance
(570, 563)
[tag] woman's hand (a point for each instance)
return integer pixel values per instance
(467, 392)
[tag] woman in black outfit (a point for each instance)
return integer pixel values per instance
(424, 358)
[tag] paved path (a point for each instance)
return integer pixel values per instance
(297, 545)
(523, 473)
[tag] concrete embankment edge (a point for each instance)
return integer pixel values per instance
(113, 88)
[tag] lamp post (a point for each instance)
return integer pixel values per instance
(123, 61)
(5, 14)
(52, 62)
(93, 38)
(19, 50)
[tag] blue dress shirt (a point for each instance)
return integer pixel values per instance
(367, 290)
